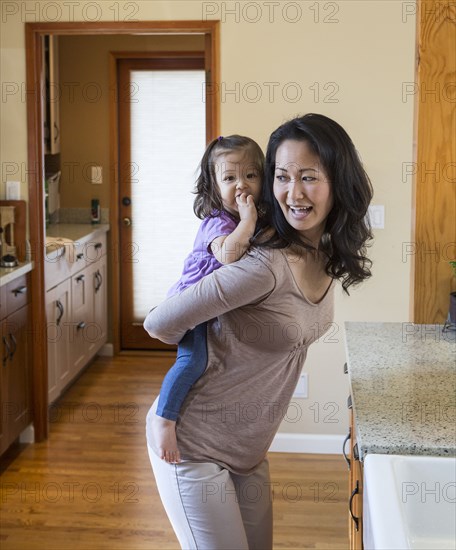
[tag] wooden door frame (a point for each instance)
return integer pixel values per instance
(432, 281)
(35, 156)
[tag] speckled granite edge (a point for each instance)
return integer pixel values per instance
(403, 386)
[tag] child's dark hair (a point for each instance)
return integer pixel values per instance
(347, 231)
(208, 200)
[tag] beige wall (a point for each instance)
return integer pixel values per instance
(363, 53)
(84, 107)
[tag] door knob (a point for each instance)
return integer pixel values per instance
(127, 221)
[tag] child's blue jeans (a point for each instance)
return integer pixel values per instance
(191, 362)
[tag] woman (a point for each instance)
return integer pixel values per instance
(262, 312)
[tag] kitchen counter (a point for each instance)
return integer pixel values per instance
(8, 274)
(403, 388)
(77, 232)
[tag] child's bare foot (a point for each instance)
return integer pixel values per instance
(164, 433)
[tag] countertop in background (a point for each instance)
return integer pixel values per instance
(403, 388)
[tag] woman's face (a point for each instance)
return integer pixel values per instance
(302, 189)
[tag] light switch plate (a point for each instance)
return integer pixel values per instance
(96, 175)
(376, 214)
(13, 190)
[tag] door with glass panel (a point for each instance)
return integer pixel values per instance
(162, 137)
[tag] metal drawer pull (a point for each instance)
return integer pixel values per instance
(20, 290)
(347, 460)
(345, 368)
(98, 245)
(5, 357)
(61, 310)
(354, 492)
(99, 280)
(13, 351)
(81, 325)
(349, 402)
(80, 278)
(80, 256)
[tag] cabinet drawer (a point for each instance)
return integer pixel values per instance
(78, 258)
(95, 249)
(79, 291)
(56, 266)
(3, 312)
(17, 294)
(63, 262)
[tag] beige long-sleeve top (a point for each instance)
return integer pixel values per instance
(260, 327)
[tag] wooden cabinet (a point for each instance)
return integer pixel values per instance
(355, 502)
(99, 279)
(15, 377)
(81, 317)
(355, 482)
(58, 305)
(76, 313)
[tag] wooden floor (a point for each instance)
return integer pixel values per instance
(90, 485)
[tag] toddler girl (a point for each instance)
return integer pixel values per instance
(227, 188)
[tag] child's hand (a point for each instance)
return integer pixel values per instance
(246, 207)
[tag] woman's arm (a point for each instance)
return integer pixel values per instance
(227, 288)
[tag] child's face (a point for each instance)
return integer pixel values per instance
(236, 173)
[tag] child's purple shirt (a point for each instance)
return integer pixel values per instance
(200, 262)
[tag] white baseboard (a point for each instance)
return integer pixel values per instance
(107, 350)
(307, 443)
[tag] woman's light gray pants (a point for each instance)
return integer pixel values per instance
(210, 508)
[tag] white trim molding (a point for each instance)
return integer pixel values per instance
(107, 350)
(307, 443)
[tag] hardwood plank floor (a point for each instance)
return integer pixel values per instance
(90, 485)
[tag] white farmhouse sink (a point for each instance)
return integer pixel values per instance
(409, 502)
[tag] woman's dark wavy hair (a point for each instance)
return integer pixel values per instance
(347, 230)
(208, 200)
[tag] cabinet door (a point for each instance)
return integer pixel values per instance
(81, 316)
(96, 329)
(17, 406)
(5, 349)
(356, 491)
(3, 311)
(100, 301)
(58, 304)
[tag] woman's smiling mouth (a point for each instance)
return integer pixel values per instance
(300, 212)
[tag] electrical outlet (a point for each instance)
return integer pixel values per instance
(301, 388)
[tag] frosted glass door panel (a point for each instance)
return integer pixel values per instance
(168, 138)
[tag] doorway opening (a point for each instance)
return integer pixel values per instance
(35, 143)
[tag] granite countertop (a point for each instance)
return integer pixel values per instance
(403, 388)
(77, 232)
